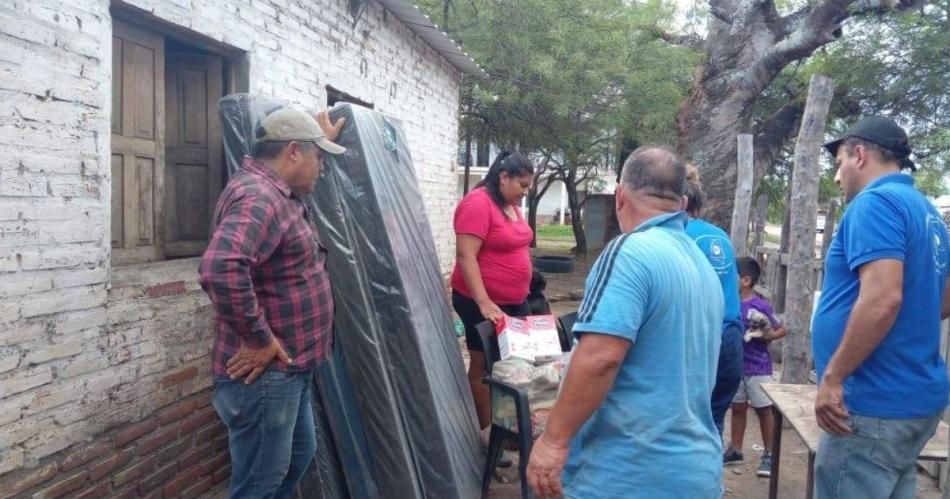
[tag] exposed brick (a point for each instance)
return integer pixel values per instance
(218, 461)
(221, 442)
(135, 472)
(222, 474)
(154, 482)
(173, 452)
(195, 490)
(150, 444)
(204, 400)
(167, 289)
(20, 481)
(185, 479)
(109, 465)
(209, 433)
(129, 493)
(179, 377)
(96, 491)
(135, 431)
(176, 412)
(195, 456)
(199, 419)
(63, 487)
(85, 454)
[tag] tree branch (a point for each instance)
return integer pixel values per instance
(691, 41)
(812, 27)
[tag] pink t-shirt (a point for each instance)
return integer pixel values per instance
(504, 258)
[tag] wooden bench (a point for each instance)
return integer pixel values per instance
(796, 403)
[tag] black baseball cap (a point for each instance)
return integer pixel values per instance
(881, 131)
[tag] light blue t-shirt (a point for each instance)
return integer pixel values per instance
(905, 376)
(654, 435)
(715, 244)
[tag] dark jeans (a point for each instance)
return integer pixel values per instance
(728, 374)
(270, 432)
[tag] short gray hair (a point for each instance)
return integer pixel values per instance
(655, 171)
(270, 149)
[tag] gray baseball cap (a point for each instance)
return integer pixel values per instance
(289, 124)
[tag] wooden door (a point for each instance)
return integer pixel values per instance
(138, 99)
(194, 154)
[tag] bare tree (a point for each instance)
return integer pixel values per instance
(748, 44)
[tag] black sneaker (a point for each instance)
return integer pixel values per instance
(732, 456)
(765, 467)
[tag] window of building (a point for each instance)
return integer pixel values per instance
(167, 152)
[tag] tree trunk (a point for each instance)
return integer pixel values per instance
(468, 163)
(800, 289)
(739, 233)
(829, 229)
(573, 201)
(537, 191)
(533, 201)
(761, 214)
(748, 44)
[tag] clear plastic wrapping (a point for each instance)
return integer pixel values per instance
(394, 400)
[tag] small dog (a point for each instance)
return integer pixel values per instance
(759, 325)
(537, 302)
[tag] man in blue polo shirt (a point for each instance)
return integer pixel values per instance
(715, 244)
(876, 332)
(634, 409)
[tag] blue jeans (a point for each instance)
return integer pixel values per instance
(728, 373)
(877, 460)
(270, 432)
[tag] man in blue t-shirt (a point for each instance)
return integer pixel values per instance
(876, 332)
(715, 244)
(634, 408)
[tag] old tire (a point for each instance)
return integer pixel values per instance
(554, 264)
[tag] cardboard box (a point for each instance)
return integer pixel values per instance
(547, 344)
(514, 339)
(533, 339)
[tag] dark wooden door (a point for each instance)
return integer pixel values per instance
(138, 80)
(193, 154)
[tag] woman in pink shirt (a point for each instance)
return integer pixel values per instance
(493, 267)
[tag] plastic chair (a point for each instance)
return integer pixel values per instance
(499, 433)
(566, 323)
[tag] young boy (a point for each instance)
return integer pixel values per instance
(757, 368)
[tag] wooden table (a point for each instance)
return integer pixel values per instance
(797, 404)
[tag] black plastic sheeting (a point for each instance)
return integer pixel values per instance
(393, 407)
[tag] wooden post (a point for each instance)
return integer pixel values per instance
(829, 229)
(468, 162)
(740, 211)
(781, 274)
(761, 214)
(799, 292)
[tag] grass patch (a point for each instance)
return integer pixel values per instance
(555, 232)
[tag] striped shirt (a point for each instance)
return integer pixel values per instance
(264, 271)
(654, 288)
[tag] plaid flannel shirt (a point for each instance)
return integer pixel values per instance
(264, 271)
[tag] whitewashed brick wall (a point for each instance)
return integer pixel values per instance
(79, 352)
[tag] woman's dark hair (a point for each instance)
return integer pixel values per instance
(514, 164)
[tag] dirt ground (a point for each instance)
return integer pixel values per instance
(740, 480)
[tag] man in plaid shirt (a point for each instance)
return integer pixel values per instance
(264, 271)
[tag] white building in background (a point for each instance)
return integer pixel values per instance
(554, 201)
(942, 204)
